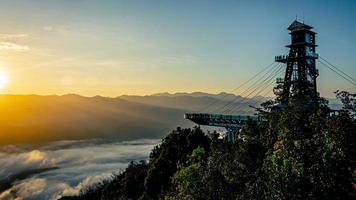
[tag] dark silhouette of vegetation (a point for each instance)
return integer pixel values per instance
(297, 152)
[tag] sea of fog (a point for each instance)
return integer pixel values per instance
(64, 167)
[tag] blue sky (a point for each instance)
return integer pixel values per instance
(143, 47)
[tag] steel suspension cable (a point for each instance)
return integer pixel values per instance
(350, 81)
(264, 94)
(338, 69)
(268, 83)
(240, 109)
(240, 86)
(236, 99)
(259, 85)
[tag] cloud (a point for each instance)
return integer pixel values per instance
(41, 188)
(75, 166)
(25, 190)
(13, 46)
(87, 182)
(30, 188)
(60, 29)
(11, 42)
(11, 36)
(13, 164)
(35, 156)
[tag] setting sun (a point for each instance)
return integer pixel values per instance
(3, 79)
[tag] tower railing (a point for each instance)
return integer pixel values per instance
(312, 54)
(281, 58)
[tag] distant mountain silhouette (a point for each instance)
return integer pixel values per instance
(221, 95)
(199, 101)
(37, 119)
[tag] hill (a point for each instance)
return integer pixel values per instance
(37, 119)
(199, 101)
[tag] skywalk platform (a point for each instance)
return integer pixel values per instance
(232, 123)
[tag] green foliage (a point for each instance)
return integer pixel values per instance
(198, 153)
(164, 160)
(189, 182)
(308, 160)
(298, 152)
(348, 100)
(129, 184)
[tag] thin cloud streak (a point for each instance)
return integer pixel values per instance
(11, 36)
(13, 46)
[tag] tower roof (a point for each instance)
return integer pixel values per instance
(296, 25)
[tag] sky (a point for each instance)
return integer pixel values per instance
(111, 48)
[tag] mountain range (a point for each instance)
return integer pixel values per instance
(38, 119)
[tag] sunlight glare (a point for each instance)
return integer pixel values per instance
(3, 79)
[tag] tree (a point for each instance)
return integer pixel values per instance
(164, 160)
(295, 152)
(307, 160)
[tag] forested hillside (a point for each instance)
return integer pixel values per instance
(296, 152)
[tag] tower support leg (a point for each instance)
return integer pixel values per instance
(231, 133)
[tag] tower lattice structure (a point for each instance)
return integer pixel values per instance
(299, 82)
